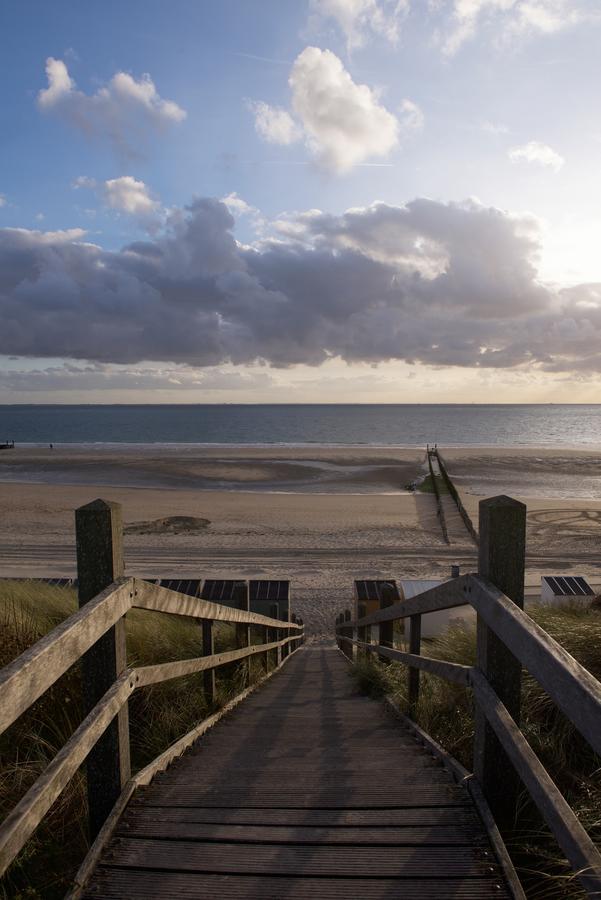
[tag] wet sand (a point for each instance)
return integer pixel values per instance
(319, 516)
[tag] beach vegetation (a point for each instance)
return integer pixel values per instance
(158, 715)
(426, 486)
(446, 712)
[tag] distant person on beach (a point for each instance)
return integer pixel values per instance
(51, 446)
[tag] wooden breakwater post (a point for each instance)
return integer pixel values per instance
(501, 559)
(99, 540)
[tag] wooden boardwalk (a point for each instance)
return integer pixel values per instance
(306, 790)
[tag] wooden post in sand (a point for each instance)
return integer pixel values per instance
(99, 539)
(502, 561)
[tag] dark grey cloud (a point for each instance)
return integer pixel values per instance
(441, 284)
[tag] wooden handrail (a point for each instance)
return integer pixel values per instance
(521, 641)
(559, 816)
(95, 635)
(30, 675)
(161, 599)
(455, 672)
(568, 683)
(33, 806)
(26, 678)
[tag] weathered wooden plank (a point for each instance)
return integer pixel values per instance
(276, 782)
(151, 596)
(25, 679)
(455, 672)
(404, 795)
(374, 861)
(442, 836)
(399, 817)
(20, 824)
(569, 833)
(146, 675)
(569, 684)
(114, 884)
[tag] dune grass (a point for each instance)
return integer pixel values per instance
(159, 714)
(446, 712)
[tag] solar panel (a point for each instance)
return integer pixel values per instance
(228, 592)
(568, 585)
(574, 586)
(584, 585)
(274, 591)
(189, 586)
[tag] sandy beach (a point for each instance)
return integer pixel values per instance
(319, 516)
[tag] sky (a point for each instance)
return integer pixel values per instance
(308, 201)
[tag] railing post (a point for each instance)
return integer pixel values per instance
(99, 540)
(274, 613)
(292, 647)
(386, 629)
(348, 633)
(415, 644)
(502, 561)
(361, 630)
(243, 630)
(208, 649)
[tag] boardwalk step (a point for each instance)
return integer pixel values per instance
(307, 791)
(115, 884)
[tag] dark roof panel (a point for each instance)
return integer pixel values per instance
(569, 585)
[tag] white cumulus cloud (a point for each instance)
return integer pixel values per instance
(2, 200)
(537, 153)
(274, 124)
(507, 18)
(123, 111)
(358, 19)
(129, 195)
(344, 122)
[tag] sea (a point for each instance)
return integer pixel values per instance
(370, 425)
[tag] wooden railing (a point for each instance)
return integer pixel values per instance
(507, 639)
(95, 635)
